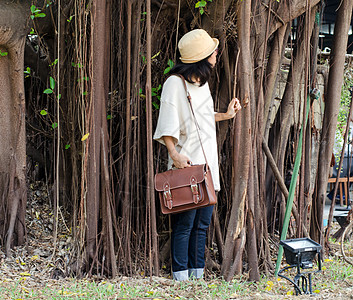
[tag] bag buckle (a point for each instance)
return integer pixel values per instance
(168, 196)
(194, 190)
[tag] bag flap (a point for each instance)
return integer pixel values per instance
(179, 177)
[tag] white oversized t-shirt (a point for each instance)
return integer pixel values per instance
(176, 120)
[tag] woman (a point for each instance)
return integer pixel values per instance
(177, 131)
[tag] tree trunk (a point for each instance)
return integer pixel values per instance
(151, 206)
(272, 74)
(251, 228)
(98, 183)
(14, 25)
(287, 11)
(237, 214)
(290, 103)
(333, 96)
(126, 205)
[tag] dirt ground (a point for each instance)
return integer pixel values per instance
(36, 265)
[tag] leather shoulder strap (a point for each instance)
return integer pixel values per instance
(188, 96)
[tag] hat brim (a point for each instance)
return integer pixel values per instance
(203, 55)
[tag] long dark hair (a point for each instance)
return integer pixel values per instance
(200, 70)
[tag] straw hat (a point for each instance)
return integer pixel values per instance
(196, 45)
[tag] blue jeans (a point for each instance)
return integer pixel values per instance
(189, 238)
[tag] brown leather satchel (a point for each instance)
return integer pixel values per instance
(188, 188)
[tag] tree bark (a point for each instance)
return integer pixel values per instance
(287, 11)
(335, 80)
(95, 175)
(251, 228)
(150, 186)
(237, 214)
(290, 103)
(126, 205)
(272, 73)
(14, 25)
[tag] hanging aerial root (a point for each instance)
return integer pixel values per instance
(346, 232)
(16, 193)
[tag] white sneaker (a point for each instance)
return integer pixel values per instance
(181, 275)
(196, 273)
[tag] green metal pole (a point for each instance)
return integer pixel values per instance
(291, 191)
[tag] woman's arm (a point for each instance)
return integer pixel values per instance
(233, 107)
(180, 161)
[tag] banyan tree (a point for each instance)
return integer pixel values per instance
(84, 78)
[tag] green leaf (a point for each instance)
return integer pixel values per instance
(52, 82)
(78, 65)
(43, 112)
(201, 11)
(154, 56)
(35, 10)
(84, 93)
(54, 125)
(85, 137)
(32, 17)
(67, 146)
(70, 19)
(170, 63)
(200, 4)
(48, 91)
(3, 53)
(109, 117)
(83, 78)
(155, 105)
(59, 96)
(54, 62)
(32, 31)
(41, 15)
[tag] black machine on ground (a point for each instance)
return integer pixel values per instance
(300, 254)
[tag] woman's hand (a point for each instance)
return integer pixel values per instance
(180, 161)
(233, 107)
